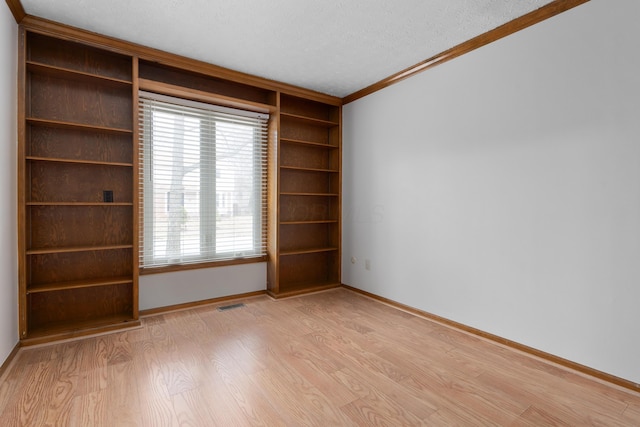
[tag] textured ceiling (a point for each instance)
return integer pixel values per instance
(332, 46)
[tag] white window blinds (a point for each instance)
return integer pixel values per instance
(203, 174)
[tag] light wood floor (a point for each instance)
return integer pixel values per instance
(330, 359)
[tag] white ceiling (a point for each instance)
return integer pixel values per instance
(332, 46)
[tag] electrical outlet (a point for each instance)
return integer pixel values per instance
(354, 260)
(367, 264)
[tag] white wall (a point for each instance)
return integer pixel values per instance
(502, 189)
(162, 290)
(8, 183)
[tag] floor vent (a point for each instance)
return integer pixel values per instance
(230, 307)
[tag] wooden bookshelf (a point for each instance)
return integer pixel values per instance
(77, 269)
(306, 255)
(78, 176)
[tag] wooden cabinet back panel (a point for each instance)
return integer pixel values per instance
(307, 108)
(318, 268)
(305, 156)
(69, 226)
(85, 103)
(308, 236)
(79, 305)
(77, 144)
(70, 182)
(78, 57)
(295, 181)
(292, 129)
(70, 266)
(166, 74)
(307, 208)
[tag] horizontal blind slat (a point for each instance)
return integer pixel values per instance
(204, 180)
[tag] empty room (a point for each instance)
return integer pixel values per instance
(320, 213)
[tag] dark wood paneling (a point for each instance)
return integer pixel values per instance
(305, 156)
(292, 129)
(66, 267)
(308, 108)
(70, 226)
(75, 141)
(55, 309)
(307, 208)
(184, 78)
(70, 182)
(78, 144)
(308, 270)
(297, 181)
(78, 57)
(85, 103)
(315, 236)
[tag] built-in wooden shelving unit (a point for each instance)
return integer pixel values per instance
(77, 268)
(307, 254)
(79, 223)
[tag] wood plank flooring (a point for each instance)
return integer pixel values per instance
(334, 358)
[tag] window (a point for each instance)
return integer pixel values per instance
(203, 173)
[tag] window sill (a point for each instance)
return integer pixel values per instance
(194, 266)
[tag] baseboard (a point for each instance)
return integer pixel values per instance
(188, 305)
(9, 360)
(612, 379)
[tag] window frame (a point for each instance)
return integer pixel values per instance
(216, 101)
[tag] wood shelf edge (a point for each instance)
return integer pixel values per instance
(301, 289)
(297, 168)
(74, 161)
(327, 221)
(62, 72)
(79, 284)
(97, 327)
(77, 249)
(79, 204)
(291, 193)
(308, 119)
(308, 251)
(71, 125)
(309, 143)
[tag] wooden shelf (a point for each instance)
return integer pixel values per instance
(327, 221)
(299, 168)
(70, 125)
(78, 284)
(83, 162)
(78, 76)
(307, 251)
(69, 329)
(310, 194)
(309, 120)
(291, 289)
(59, 250)
(308, 143)
(79, 204)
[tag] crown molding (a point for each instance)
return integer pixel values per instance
(17, 10)
(545, 12)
